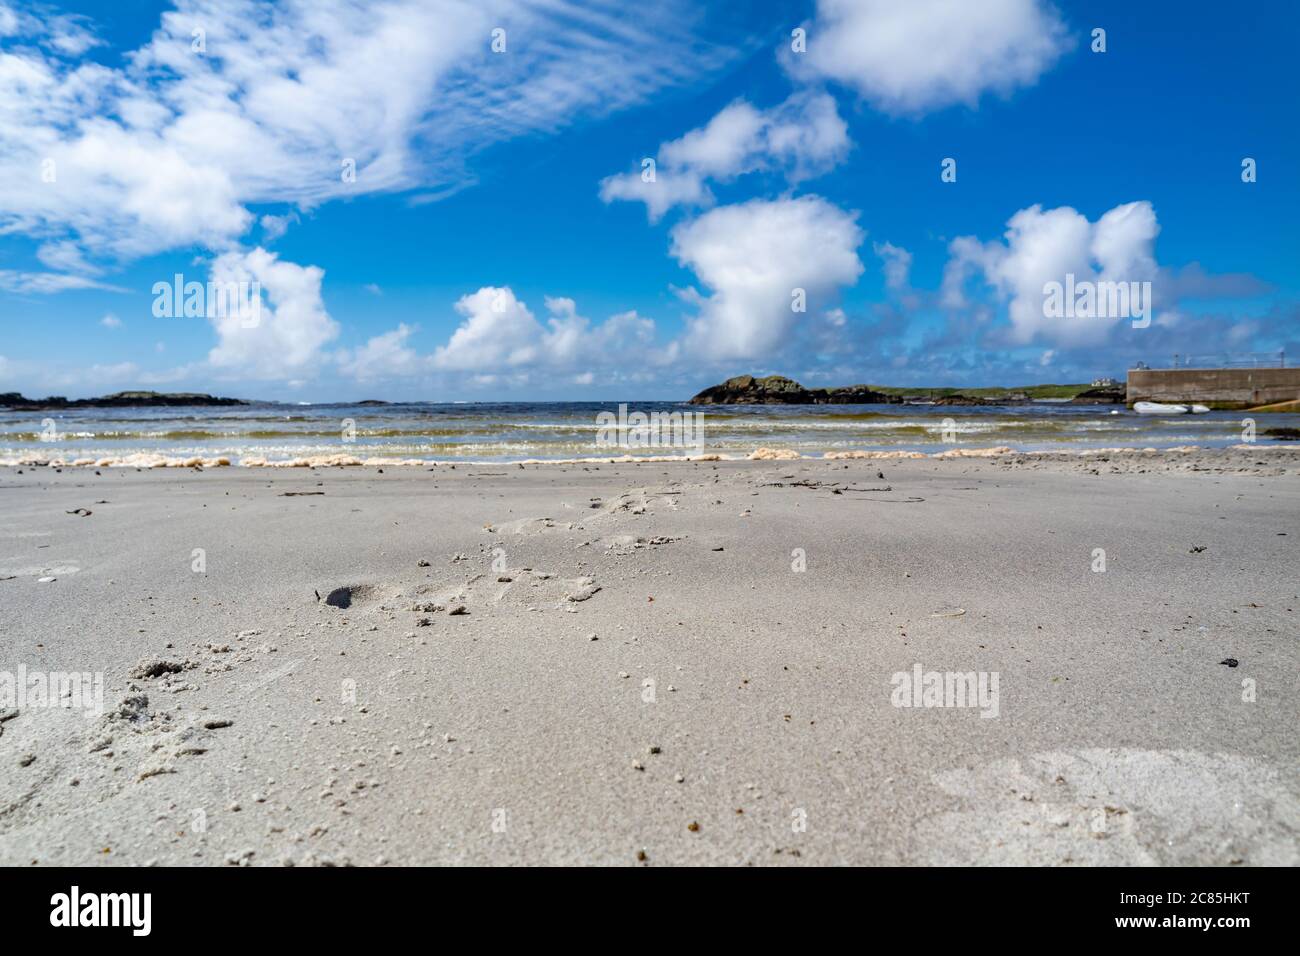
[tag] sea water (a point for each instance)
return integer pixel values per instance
(567, 430)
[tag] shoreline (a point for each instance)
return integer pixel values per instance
(148, 460)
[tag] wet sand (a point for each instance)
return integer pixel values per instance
(668, 663)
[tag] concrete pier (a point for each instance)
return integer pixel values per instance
(1216, 387)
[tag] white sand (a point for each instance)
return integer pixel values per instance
(506, 735)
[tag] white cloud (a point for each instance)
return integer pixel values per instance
(168, 150)
(1043, 246)
(111, 321)
(273, 227)
(668, 189)
(500, 332)
(898, 264)
(802, 137)
(383, 357)
(293, 324)
(927, 54)
(68, 34)
(47, 282)
(752, 257)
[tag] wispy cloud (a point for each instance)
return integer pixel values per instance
(240, 102)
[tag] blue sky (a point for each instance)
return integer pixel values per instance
(499, 241)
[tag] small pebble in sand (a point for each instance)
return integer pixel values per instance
(234, 808)
(679, 778)
(422, 563)
(637, 765)
(693, 827)
(458, 609)
(641, 856)
(592, 637)
(26, 760)
(653, 749)
(45, 580)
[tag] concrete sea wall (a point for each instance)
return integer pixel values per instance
(1216, 387)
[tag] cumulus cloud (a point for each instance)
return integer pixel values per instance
(927, 54)
(500, 332)
(292, 324)
(802, 138)
(1044, 246)
(384, 356)
(753, 257)
(111, 321)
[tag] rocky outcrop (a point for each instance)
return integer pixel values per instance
(779, 390)
(116, 400)
(1109, 395)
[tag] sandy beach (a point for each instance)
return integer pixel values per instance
(666, 663)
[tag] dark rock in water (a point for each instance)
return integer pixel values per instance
(1286, 434)
(339, 597)
(748, 390)
(779, 390)
(1109, 395)
(116, 400)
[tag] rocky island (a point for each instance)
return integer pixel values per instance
(117, 400)
(779, 390)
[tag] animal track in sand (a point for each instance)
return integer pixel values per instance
(527, 526)
(1114, 807)
(624, 544)
(523, 587)
(73, 758)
